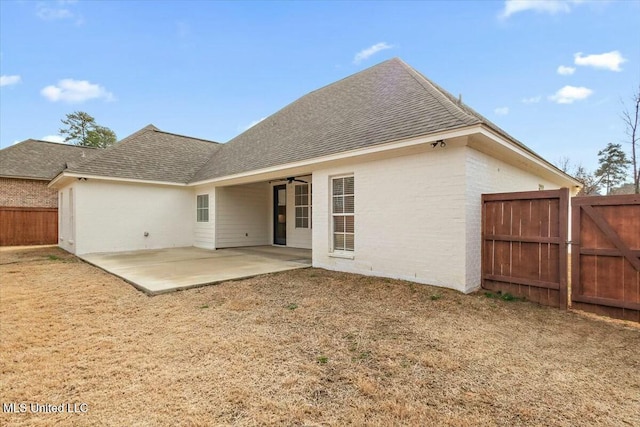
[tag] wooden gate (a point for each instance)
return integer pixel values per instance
(606, 255)
(28, 226)
(524, 245)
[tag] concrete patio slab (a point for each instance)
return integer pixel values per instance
(158, 271)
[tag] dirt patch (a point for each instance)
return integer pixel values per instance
(306, 347)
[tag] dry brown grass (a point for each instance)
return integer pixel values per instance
(307, 347)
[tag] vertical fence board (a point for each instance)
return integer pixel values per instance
(28, 226)
(606, 255)
(525, 237)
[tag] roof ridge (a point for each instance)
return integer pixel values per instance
(421, 79)
(150, 154)
(186, 136)
(104, 151)
(476, 115)
(230, 141)
(49, 142)
(64, 143)
(344, 78)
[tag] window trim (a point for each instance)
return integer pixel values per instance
(340, 253)
(304, 205)
(202, 212)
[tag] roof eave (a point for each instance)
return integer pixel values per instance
(81, 175)
(392, 145)
(524, 151)
(32, 178)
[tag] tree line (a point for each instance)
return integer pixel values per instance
(614, 164)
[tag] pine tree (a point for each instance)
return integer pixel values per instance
(82, 129)
(613, 166)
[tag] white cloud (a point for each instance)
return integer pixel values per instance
(250, 125)
(53, 13)
(501, 111)
(608, 61)
(552, 7)
(366, 53)
(9, 80)
(75, 91)
(52, 138)
(565, 71)
(569, 94)
(57, 11)
(532, 100)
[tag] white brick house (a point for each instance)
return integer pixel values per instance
(380, 173)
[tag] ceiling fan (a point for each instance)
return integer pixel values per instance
(290, 180)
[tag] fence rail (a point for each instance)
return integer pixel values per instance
(524, 248)
(606, 255)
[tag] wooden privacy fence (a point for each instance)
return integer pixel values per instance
(28, 226)
(605, 255)
(524, 249)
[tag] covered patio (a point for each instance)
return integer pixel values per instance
(166, 270)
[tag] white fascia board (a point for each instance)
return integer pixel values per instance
(109, 178)
(469, 130)
(529, 155)
(56, 180)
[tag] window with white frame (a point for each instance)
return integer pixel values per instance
(203, 208)
(342, 211)
(303, 206)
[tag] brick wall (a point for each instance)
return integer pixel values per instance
(409, 218)
(27, 193)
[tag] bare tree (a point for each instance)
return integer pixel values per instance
(630, 119)
(590, 183)
(564, 164)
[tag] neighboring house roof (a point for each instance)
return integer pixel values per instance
(151, 155)
(627, 188)
(41, 160)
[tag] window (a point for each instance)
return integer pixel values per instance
(342, 211)
(303, 206)
(203, 208)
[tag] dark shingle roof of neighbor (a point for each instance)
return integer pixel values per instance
(151, 154)
(41, 160)
(387, 102)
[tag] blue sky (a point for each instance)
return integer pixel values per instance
(551, 73)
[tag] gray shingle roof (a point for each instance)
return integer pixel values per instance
(40, 159)
(387, 102)
(150, 154)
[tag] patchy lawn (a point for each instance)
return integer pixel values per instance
(306, 347)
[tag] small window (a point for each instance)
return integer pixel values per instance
(303, 206)
(203, 208)
(343, 209)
